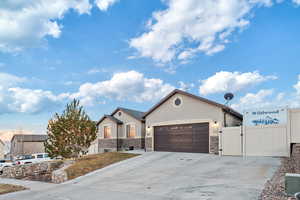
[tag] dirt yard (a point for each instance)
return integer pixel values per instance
(7, 188)
(91, 163)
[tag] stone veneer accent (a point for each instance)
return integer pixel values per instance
(35, 172)
(148, 144)
(214, 145)
(123, 144)
(107, 144)
(137, 143)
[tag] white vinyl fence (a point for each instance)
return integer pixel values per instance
(295, 125)
(262, 140)
(266, 141)
(231, 141)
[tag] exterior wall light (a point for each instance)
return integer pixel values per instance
(148, 130)
(215, 124)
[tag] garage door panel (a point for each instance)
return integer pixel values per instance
(182, 138)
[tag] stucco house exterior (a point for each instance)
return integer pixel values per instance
(122, 129)
(27, 144)
(180, 122)
(183, 122)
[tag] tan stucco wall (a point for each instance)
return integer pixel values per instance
(232, 120)
(127, 119)
(107, 122)
(190, 111)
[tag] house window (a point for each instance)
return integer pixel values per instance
(107, 132)
(130, 131)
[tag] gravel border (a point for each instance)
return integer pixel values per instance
(274, 189)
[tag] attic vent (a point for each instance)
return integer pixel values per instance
(177, 102)
(120, 113)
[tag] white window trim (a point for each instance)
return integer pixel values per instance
(107, 125)
(125, 128)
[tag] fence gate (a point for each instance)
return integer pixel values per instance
(232, 141)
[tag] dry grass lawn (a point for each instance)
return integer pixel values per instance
(7, 188)
(91, 163)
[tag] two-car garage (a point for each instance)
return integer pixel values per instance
(183, 122)
(193, 138)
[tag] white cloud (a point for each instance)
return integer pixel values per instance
(254, 100)
(14, 99)
(26, 23)
(32, 101)
(8, 80)
(131, 86)
(185, 86)
(105, 4)
(268, 98)
(96, 70)
(187, 27)
(296, 2)
(225, 81)
(297, 86)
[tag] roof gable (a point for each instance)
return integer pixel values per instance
(133, 113)
(111, 118)
(176, 91)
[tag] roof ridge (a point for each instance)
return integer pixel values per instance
(130, 109)
(224, 107)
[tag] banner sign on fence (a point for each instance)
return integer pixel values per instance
(262, 117)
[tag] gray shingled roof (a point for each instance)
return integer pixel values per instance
(111, 118)
(30, 138)
(134, 113)
(225, 108)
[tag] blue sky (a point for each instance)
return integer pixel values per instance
(131, 53)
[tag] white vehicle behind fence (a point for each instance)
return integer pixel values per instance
(34, 158)
(4, 164)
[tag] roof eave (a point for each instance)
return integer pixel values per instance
(225, 108)
(120, 108)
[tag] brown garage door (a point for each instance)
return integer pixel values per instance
(182, 138)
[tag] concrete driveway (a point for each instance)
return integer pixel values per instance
(160, 175)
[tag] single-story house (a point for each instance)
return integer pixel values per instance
(183, 122)
(122, 129)
(180, 122)
(27, 144)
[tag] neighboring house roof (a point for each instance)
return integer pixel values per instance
(111, 118)
(176, 91)
(133, 113)
(30, 138)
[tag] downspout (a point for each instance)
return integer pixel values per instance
(117, 137)
(225, 124)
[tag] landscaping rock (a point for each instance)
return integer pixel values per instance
(35, 172)
(60, 175)
(275, 189)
